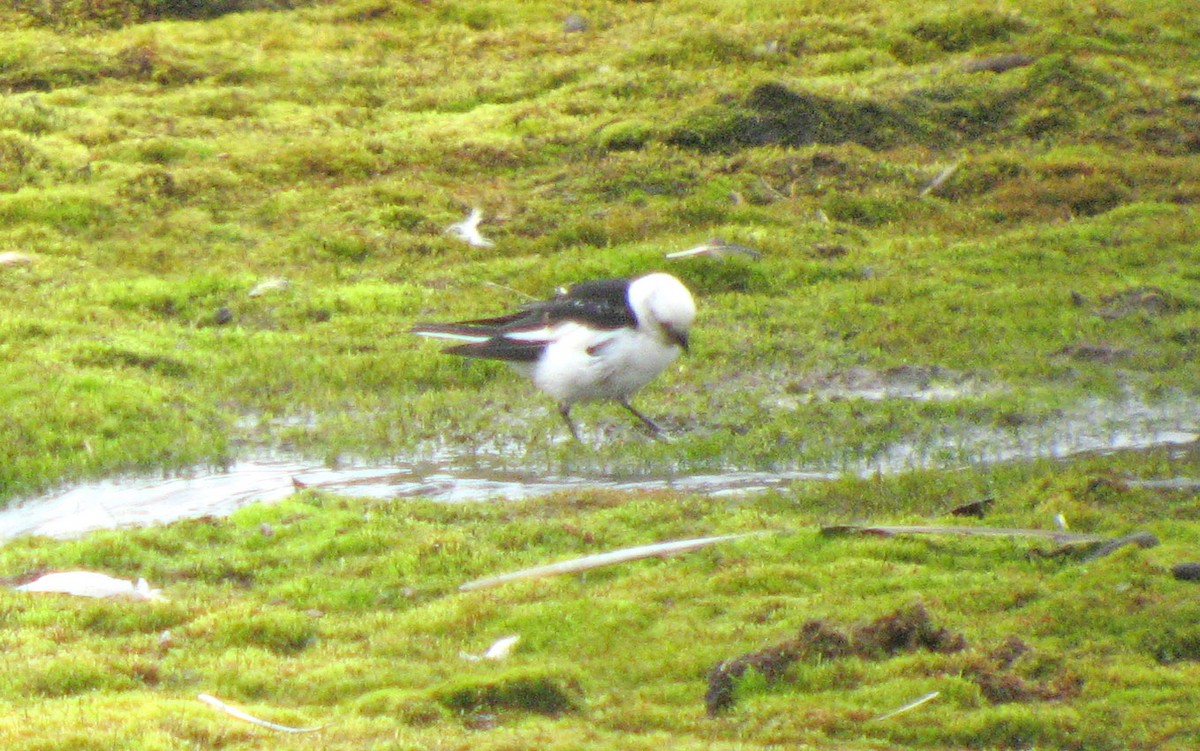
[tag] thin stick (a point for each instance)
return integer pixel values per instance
(213, 701)
(507, 288)
(576, 565)
(1062, 538)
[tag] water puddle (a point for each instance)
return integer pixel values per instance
(153, 499)
(135, 501)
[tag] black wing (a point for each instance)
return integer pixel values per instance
(601, 304)
(500, 348)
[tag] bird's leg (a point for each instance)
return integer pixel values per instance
(655, 430)
(565, 411)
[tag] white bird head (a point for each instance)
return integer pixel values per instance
(660, 301)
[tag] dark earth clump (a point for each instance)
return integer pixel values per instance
(1186, 571)
(772, 114)
(1000, 685)
(904, 630)
(1174, 645)
(1139, 300)
(1006, 688)
(977, 509)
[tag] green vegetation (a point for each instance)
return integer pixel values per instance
(325, 611)
(159, 159)
(158, 172)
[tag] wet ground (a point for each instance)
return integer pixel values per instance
(138, 500)
(450, 477)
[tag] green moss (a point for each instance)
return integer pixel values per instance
(970, 28)
(68, 675)
(1174, 644)
(626, 135)
(774, 114)
(280, 632)
(158, 161)
(524, 692)
(406, 706)
(630, 646)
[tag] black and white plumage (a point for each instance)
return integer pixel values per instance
(599, 340)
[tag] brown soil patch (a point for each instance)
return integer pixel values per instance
(905, 630)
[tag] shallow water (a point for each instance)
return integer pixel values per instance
(140, 500)
(151, 499)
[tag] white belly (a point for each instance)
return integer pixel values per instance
(584, 365)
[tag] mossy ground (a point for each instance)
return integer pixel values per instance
(158, 172)
(326, 611)
(154, 173)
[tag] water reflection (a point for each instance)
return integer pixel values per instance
(140, 500)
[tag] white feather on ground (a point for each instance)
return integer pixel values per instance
(15, 258)
(468, 230)
(213, 701)
(269, 286)
(500, 649)
(92, 584)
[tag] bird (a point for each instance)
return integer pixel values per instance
(468, 230)
(598, 340)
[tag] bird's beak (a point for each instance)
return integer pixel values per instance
(678, 337)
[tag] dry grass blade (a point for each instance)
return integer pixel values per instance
(576, 565)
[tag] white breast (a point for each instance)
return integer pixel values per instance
(582, 364)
